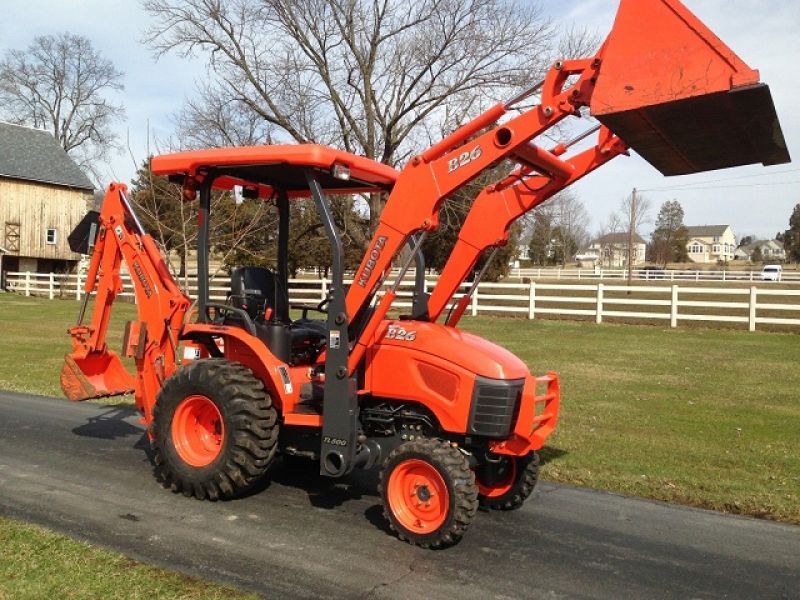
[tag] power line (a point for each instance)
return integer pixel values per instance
(725, 179)
(716, 187)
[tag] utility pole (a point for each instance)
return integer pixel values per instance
(631, 232)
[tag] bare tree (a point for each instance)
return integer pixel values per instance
(379, 78)
(61, 83)
(572, 221)
(172, 221)
(608, 239)
(633, 211)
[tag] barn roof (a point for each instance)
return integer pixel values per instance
(35, 155)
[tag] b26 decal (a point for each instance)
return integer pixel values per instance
(399, 333)
(464, 158)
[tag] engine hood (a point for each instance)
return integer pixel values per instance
(468, 351)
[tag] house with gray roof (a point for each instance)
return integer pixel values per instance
(710, 243)
(43, 195)
(611, 250)
(768, 251)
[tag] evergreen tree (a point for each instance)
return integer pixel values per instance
(670, 236)
(791, 237)
(541, 245)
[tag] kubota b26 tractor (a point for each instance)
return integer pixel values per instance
(452, 420)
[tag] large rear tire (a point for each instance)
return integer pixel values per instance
(215, 430)
(428, 492)
(511, 484)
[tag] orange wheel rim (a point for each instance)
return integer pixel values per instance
(418, 496)
(503, 486)
(198, 431)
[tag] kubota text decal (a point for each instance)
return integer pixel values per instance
(374, 255)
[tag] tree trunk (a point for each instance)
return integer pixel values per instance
(631, 232)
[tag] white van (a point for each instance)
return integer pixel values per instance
(771, 273)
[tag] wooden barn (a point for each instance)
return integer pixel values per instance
(43, 195)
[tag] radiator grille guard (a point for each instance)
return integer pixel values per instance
(495, 404)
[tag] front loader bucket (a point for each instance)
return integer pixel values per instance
(94, 375)
(677, 95)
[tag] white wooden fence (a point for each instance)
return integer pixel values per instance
(751, 306)
(788, 276)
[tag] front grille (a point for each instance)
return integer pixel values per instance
(494, 405)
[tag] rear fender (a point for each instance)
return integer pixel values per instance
(238, 345)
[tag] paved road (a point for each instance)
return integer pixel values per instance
(82, 469)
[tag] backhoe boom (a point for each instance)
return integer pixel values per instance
(92, 370)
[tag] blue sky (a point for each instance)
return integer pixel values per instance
(754, 199)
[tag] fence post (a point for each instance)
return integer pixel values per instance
(697, 275)
(672, 275)
(579, 274)
(532, 300)
(323, 289)
(78, 285)
(558, 274)
(599, 311)
(475, 302)
(751, 275)
(753, 300)
(723, 274)
(52, 285)
(27, 283)
(539, 275)
(673, 308)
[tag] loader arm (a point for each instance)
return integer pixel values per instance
(499, 205)
(429, 178)
(93, 370)
(662, 82)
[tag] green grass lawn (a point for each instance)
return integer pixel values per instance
(36, 563)
(703, 417)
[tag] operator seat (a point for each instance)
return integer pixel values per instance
(256, 289)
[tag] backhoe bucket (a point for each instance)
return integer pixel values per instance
(94, 375)
(677, 95)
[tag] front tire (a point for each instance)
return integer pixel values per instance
(511, 483)
(428, 492)
(215, 430)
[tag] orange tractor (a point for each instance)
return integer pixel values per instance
(452, 420)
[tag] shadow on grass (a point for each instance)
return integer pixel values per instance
(550, 454)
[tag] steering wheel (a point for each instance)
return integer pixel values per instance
(321, 307)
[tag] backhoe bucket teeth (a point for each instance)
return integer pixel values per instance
(677, 95)
(95, 375)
